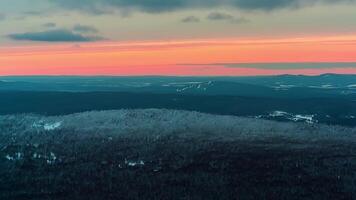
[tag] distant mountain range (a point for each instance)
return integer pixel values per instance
(328, 98)
(283, 85)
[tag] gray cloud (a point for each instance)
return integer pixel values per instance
(2, 17)
(190, 19)
(217, 16)
(98, 6)
(291, 65)
(33, 13)
(84, 29)
(50, 25)
(58, 35)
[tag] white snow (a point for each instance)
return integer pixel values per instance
(307, 118)
(182, 86)
(278, 114)
(283, 87)
(137, 84)
(348, 92)
(36, 156)
(325, 86)
(51, 159)
(192, 85)
(16, 156)
(52, 126)
(298, 117)
(185, 83)
(8, 157)
(134, 163)
(8, 81)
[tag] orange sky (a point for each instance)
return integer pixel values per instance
(177, 57)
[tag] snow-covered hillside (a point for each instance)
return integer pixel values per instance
(171, 154)
(161, 122)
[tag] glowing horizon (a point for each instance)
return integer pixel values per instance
(180, 57)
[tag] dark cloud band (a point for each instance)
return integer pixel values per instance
(84, 29)
(169, 5)
(59, 35)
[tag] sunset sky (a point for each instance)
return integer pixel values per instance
(177, 37)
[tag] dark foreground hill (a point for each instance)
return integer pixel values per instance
(333, 111)
(167, 154)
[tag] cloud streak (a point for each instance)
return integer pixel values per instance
(289, 65)
(58, 35)
(216, 16)
(190, 19)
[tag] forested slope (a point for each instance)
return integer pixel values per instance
(170, 154)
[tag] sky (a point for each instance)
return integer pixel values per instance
(177, 37)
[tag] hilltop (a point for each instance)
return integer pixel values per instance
(170, 154)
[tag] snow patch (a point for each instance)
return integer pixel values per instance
(307, 118)
(131, 163)
(325, 86)
(50, 159)
(8, 81)
(52, 126)
(296, 118)
(47, 126)
(283, 87)
(17, 156)
(137, 84)
(193, 85)
(278, 114)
